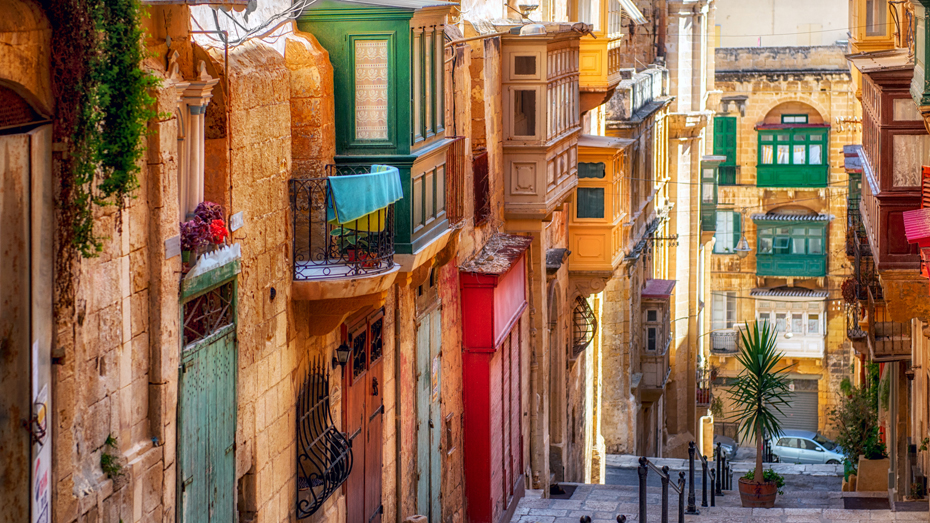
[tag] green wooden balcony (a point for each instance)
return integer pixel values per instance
(791, 265)
(793, 155)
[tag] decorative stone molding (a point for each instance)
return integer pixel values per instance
(588, 283)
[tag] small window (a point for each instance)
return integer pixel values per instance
(765, 245)
(800, 151)
(651, 339)
(524, 65)
(784, 137)
(652, 316)
(813, 324)
(783, 154)
(816, 153)
(767, 154)
(794, 118)
(797, 323)
(766, 137)
(780, 321)
(781, 244)
(524, 113)
(590, 202)
(707, 193)
(815, 137)
(592, 170)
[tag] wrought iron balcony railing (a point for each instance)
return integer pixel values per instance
(704, 394)
(326, 250)
(724, 341)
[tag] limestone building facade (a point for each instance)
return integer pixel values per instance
(779, 247)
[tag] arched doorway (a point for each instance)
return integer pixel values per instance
(557, 449)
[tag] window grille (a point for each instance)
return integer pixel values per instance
(208, 313)
(324, 457)
(585, 326)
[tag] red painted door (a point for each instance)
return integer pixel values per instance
(364, 413)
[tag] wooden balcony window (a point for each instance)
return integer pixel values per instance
(793, 156)
(791, 246)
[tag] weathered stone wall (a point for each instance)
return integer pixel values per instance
(771, 59)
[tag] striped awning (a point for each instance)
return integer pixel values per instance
(770, 217)
(789, 292)
(917, 226)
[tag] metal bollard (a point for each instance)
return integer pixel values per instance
(704, 482)
(681, 496)
(712, 489)
(692, 509)
(621, 519)
(727, 476)
(642, 471)
(664, 494)
(719, 463)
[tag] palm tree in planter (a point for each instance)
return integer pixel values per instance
(759, 393)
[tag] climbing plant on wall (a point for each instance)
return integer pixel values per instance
(102, 109)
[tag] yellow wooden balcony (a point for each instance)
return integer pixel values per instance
(599, 67)
(599, 208)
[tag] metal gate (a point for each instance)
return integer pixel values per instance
(207, 408)
(429, 464)
(802, 413)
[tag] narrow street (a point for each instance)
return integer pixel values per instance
(811, 495)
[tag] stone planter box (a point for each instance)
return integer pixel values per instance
(872, 475)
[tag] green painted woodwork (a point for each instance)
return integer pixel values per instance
(727, 233)
(793, 157)
(207, 430)
(920, 85)
(789, 248)
(429, 420)
(590, 202)
(592, 170)
(708, 197)
(725, 145)
(209, 279)
(413, 139)
(791, 265)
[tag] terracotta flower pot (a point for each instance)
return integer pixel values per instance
(756, 495)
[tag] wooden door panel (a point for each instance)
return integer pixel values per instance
(422, 406)
(435, 415)
(206, 446)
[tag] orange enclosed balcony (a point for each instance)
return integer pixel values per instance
(600, 55)
(596, 220)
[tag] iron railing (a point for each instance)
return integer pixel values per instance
(724, 342)
(643, 471)
(324, 455)
(887, 339)
(324, 250)
(704, 394)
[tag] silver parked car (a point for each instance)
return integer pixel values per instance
(805, 446)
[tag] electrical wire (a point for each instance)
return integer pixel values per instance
(265, 28)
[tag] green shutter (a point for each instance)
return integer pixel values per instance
(591, 170)
(590, 202)
(736, 228)
(725, 145)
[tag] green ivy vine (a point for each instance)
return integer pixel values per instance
(103, 109)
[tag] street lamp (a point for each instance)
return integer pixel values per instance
(742, 246)
(341, 355)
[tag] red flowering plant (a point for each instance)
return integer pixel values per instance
(218, 232)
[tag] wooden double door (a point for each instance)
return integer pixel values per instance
(364, 418)
(429, 460)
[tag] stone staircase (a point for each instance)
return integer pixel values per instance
(603, 503)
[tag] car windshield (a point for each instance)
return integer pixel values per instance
(824, 442)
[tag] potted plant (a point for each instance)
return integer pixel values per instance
(352, 244)
(759, 393)
(856, 418)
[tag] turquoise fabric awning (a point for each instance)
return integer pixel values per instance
(356, 196)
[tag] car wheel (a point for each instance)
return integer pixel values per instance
(833, 462)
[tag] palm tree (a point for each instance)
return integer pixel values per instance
(760, 390)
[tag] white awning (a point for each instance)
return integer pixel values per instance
(632, 11)
(890, 60)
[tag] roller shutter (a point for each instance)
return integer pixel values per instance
(802, 413)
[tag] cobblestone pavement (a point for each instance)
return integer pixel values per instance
(811, 496)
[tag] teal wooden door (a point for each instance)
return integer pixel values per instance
(207, 429)
(429, 422)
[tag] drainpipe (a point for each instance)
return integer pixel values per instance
(397, 418)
